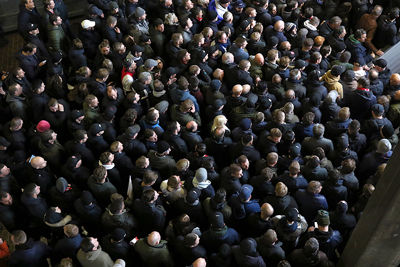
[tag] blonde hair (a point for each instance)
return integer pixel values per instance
(219, 121)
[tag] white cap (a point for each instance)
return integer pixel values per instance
(86, 24)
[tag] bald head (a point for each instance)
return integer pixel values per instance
(266, 211)
(246, 89)
(259, 59)
(395, 79)
(38, 163)
(218, 74)
(154, 238)
(191, 126)
(279, 26)
(200, 262)
(227, 58)
(237, 90)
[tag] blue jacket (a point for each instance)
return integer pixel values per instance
(358, 51)
(179, 95)
(212, 239)
(310, 203)
(238, 53)
(68, 247)
(241, 210)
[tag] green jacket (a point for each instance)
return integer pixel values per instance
(56, 37)
(154, 256)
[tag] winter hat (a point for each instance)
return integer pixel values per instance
(162, 106)
(343, 142)
(118, 234)
(387, 130)
(113, 5)
(311, 246)
(342, 207)
(32, 26)
(299, 63)
(333, 95)
(292, 214)
(289, 26)
(217, 220)
(239, 4)
(212, 15)
(86, 198)
(162, 146)
(86, 24)
(245, 124)
(219, 103)
(215, 85)
(378, 109)
(4, 142)
(295, 149)
(323, 218)
(248, 246)
(132, 130)
(190, 239)
(51, 216)
(273, 41)
(380, 63)
(384, 146)
(137, 48)
(139, 12)
(43, 126)
(243, 25)
(192, 196)
(96, 128)
(109, 112)
(76, 114)
(150, 63)
(348, 76)
(337, 70)
(245, 192)
(94, 10)
(61, 184)
(201, 175)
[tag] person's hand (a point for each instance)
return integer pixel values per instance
(192, 109)
(311, 229)
(60, 107)
(42, 63)
(379, 52)
(117, 30)
(1, 241)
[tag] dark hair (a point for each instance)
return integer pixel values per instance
(87, 245)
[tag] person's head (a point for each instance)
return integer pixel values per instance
(55, 20)
(344, 114)
(294, 168)
(149, 177)
(149, 195)
(318, 130)
(360, 35)
(348, 165)
(279, 26)
(272, 159)
(235, 170)
(354, 127)
(266, 211)
(38, 163)
(335, 22)
(89, 244)
(270, 237)
(314, 187)
(275, 135)
(100, 174)
(71, 230)
(281, 189)
(154, 238)
(377, 11)
(142, 162)
(18, 237)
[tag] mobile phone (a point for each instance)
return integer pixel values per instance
(315, 224)
(134, 240)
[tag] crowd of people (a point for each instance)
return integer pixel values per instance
(194, 132)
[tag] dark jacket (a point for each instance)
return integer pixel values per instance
(310, 203)
(32, 253)
(154, 256)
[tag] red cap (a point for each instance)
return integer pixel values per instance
(43, 126)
